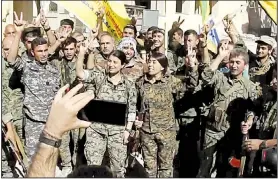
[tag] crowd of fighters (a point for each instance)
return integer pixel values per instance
(187, 106)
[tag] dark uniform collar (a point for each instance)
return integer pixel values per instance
(162, 79)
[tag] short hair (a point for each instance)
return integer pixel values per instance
(77, 34)
(120, 55)
(190, 31)
(31, 34)
(158, 30)
(107, 34)
(38, 41)
(236, 52)
(268, 46)
(152, 28)
(67, 22)
(69, 41)
(162, 59)
(130, 26)
(179, 31)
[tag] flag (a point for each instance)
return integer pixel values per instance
(270, 7)
(116, 17)
(205, 9)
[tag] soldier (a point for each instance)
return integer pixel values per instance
(79, 37)
(67, 25)
(41, 82)
(232, 100)
(113, 86)
(130, 31)
(265, 126)
(66, 66)
(12, 78)
(7, 108)
(135, 66)
(259, 66)
(107, 45)
(158, 131)
(148, 43)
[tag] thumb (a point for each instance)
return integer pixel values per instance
(83, 124)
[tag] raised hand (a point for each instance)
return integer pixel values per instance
(43, 20)
(224, 50)
(133, 20)
(101, 12)
(63, 35)
(19, 22)
(178, 23)
(190, 59)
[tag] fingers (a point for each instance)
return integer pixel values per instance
(179, 19)
(78, 98)
(21, 16)
(16, 17)
(181, 22)
(81, 103)
(82, 124)
(72, 92)
(60, 93)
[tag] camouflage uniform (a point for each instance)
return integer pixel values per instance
(134, 69)
(6, 117)
(11, 79)
(68, 75)
(265, 128)
(158, 132)
(100, 60)
(233, 98)
(258, 72)
(101, 136)
(41, 84)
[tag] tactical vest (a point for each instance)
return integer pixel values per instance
(217, 116)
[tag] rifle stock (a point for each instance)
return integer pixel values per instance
(14, 151)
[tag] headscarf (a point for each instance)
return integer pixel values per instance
(127, 41)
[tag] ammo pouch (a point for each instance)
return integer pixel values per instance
(216, 118)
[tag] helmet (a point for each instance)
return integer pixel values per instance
(269, 158)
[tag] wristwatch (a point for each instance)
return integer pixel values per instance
(49, 140)
(262, 145)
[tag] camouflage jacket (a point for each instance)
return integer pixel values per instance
(258, 71)
(233, 99)
(12, 90)
(266, 115)
(100, 60)
(99, 82)
(134, 69)
(41, 82)
(156, 102)
(67, 70)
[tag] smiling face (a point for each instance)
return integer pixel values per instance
(158, 39)
(263, 50)
(114, 65)
(236, 65)
(154, 67)
(129, 52)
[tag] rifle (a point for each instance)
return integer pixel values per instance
(240, 164)
(14, 152)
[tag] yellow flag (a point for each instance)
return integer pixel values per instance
(116, 17)
(270, 8)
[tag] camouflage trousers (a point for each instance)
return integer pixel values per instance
(33, 130)
(65, 152)
(6, 169)
(96, 145)
(158, 153)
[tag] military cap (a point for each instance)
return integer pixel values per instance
(241, 44)
(267, 40)
(36, 30)
(67, 22)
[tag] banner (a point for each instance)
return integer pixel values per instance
(115, 18)
(270, 7)
(205, 9)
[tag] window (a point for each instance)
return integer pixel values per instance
(179, 6)
(53, 7)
